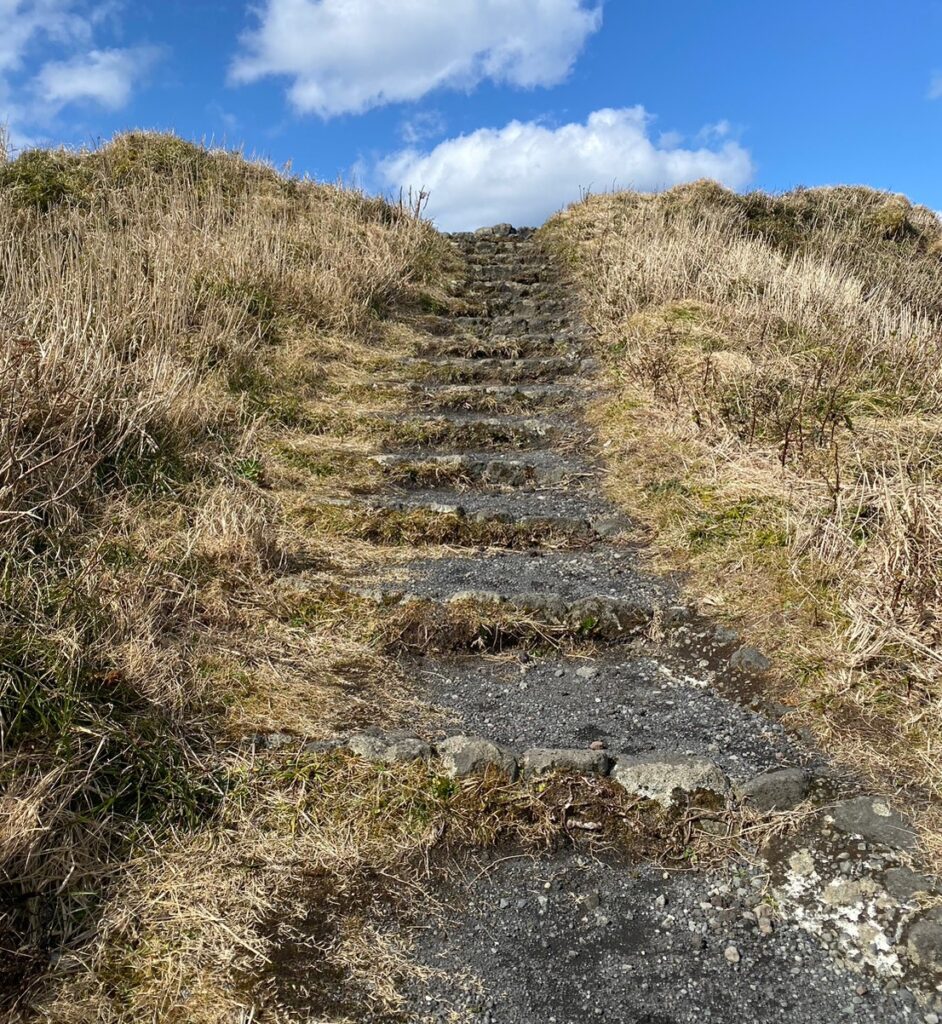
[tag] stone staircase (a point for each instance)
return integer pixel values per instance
(602, 669)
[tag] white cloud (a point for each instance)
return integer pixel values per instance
(23, 21)
(105, 77)
(526, 171)
(347, 56)
(715, 132)
(74, 69)
(426, 124)
(935, 86)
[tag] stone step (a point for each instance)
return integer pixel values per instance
(513, 323)
(489, 274)
(503, 399)
(516, 255)
(502, 289)
(482, 469)
(503, 598)
(466, 431)
(468, 371)
(518, 520)
(525, 309)
(496, 347)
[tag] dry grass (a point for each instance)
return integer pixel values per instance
(276, 913)
(168, 315)
(775, 367)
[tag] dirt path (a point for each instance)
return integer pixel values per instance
(504, 452)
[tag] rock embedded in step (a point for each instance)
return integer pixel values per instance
(776, 790)
(662, 777)
(610, 526)
(924, 942)
(874, 819)
(316, 747)
(496, 231)
(541, 761)
(904, 883)
(389, 748)
(274, 740)
(471, 755)
(608, 617)
(750, 659)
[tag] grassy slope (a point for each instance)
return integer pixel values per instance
(170, 319)
(774, 417)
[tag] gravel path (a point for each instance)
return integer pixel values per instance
(815, 936)
(566, 939)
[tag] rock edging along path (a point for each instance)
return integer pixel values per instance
(602, 670)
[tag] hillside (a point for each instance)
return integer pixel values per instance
(386, 614)
(172, 320)
(775, 365)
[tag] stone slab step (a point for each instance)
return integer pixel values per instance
(484, 469)
(574, 512)
(455, 370)
(502, 399)
(502, 289)
(513, 323)
(595, 595)
(543, 346)
(516, 520)
(464, 431)
(489, 274)
(517, 305)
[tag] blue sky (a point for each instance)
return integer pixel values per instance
(504, 109)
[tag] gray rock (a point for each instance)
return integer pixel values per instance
(540, 761)
(775, 791)
(323, 746)
(496, 231)
(750, 659)
(874, 819)
(924, 942)
(274, 740)
(394, 748)
(661, 777)
(469, 755)
(610, 526)
(904, 883)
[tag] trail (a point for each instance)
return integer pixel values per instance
(824, 926)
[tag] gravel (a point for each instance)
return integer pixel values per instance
(632, 702)
(565, 939)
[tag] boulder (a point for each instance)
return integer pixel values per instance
(471, 755)
(539, 761)
(666, 777)
(775, 791)
(874, 819)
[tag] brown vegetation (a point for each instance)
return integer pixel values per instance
(167, 316)
(774, 416)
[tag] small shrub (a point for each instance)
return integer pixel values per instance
(43, 179)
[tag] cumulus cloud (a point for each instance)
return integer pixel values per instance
(74, 69)
(23, 21)
(105, 77)
(347, 56)
(526, 171)
(935, 86)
